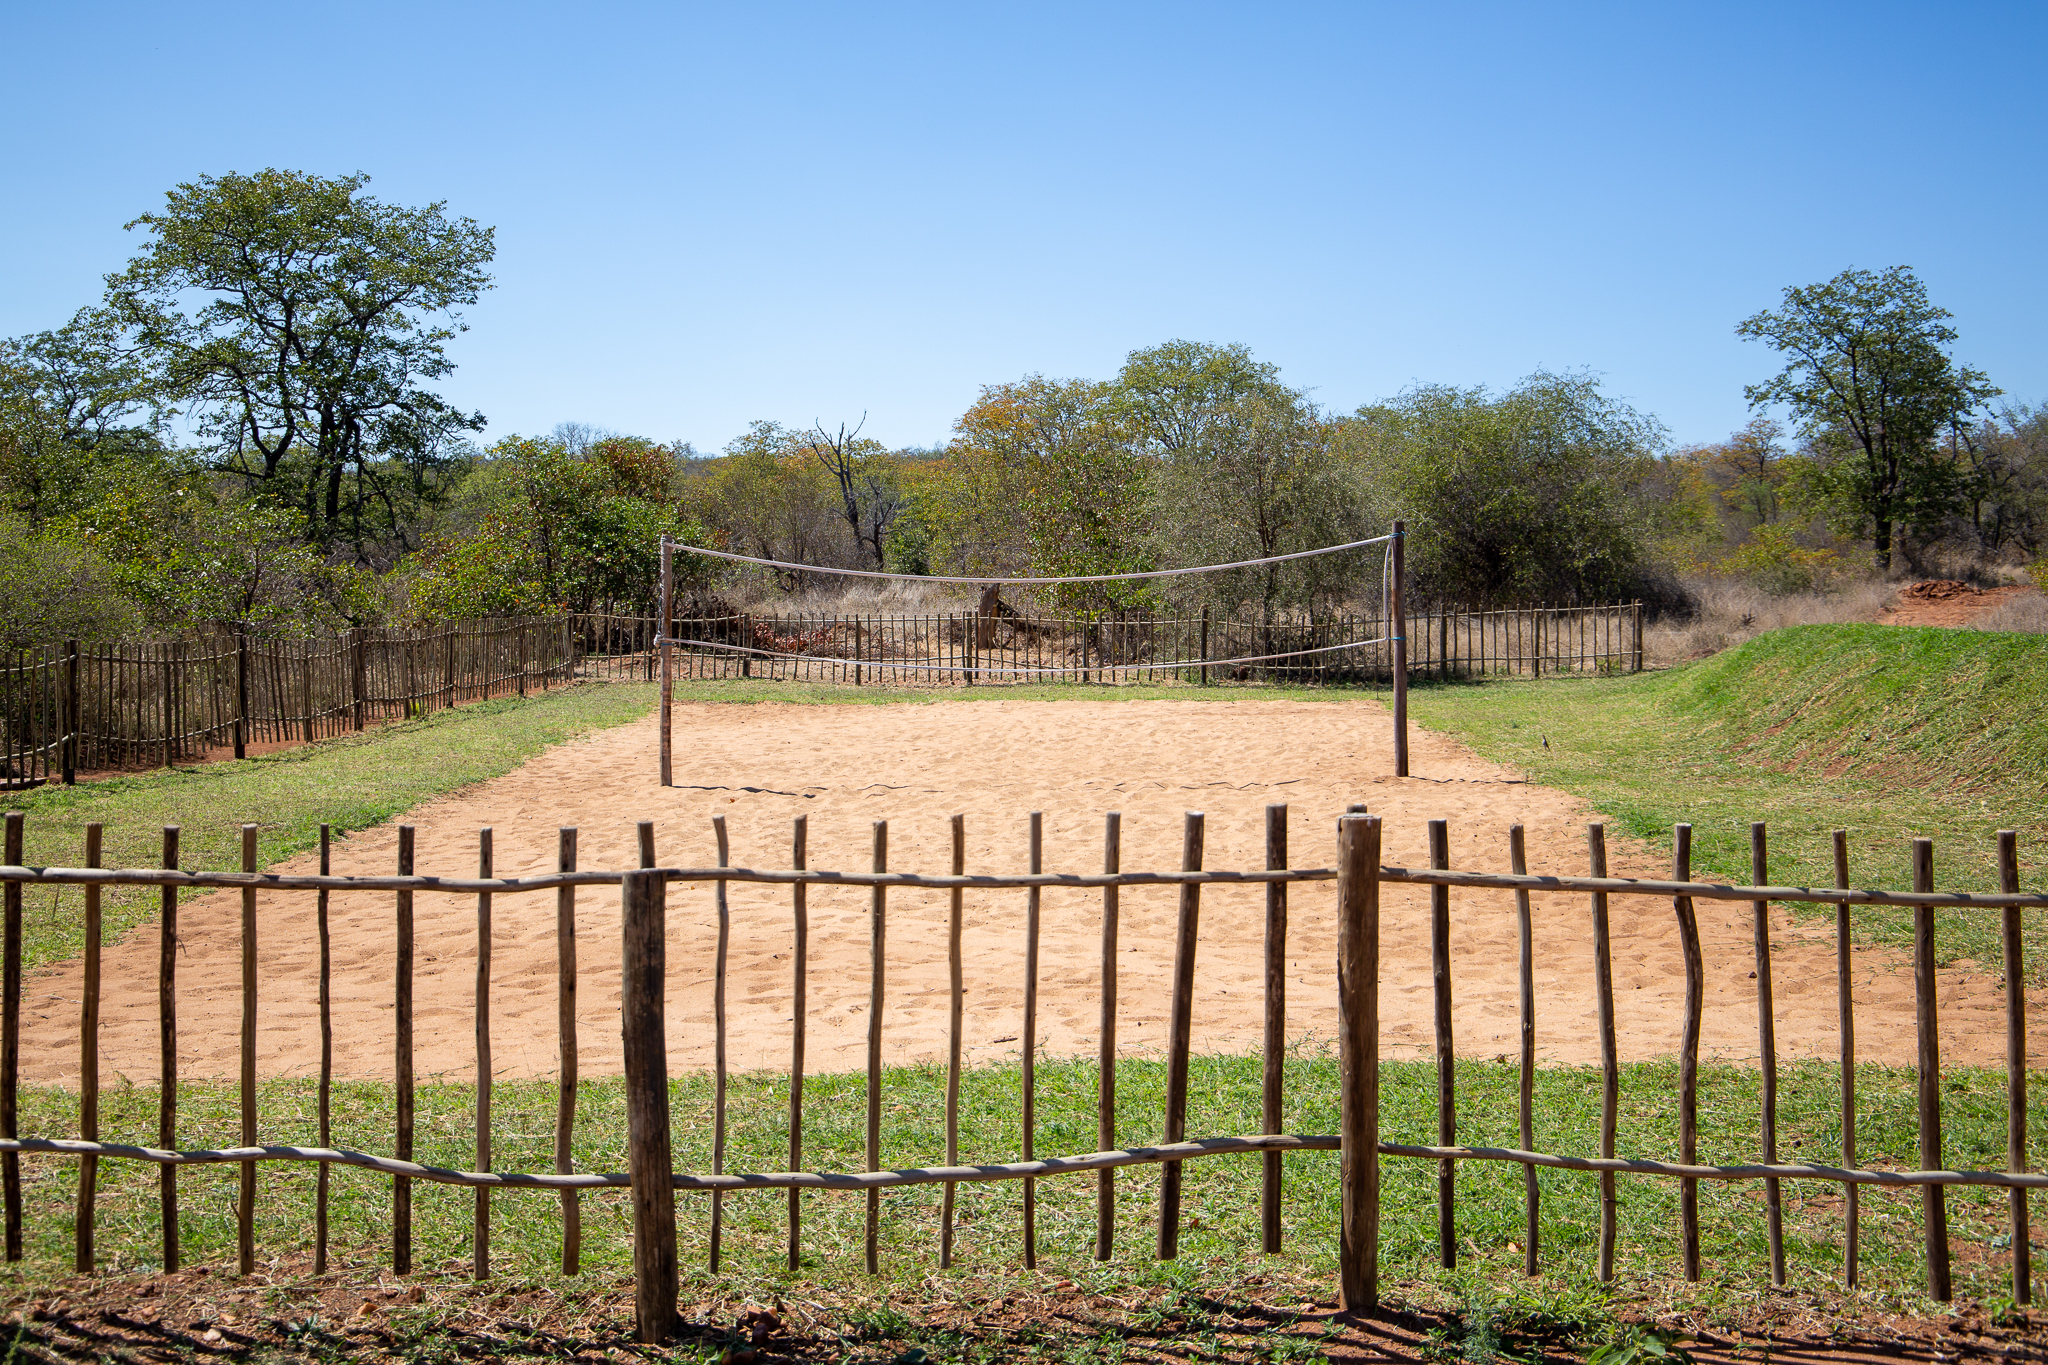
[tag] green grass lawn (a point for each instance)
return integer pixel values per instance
(1890, 733)
(1221, 1202)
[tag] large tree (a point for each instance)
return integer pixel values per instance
(296, 321)
(1869, 381)
(1524, 496)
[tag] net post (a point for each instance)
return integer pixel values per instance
(661, 642)
(1400, 654)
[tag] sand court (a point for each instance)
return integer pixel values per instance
(846, 766)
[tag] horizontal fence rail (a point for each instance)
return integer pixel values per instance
(653, 1180)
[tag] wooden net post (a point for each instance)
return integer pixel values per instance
(1105, 1055)
(1688, 1054)
(642, 1004)
(480, 1227)
(955, 1008)
(877, 927)
(1446, 1057)
(1845, 1006)
(401, 1186)
(565, 1033)
(1767, 1051)
(167, 1054)
(1400, 634)
(718, 1043)
(1610, 1065)
(668, 778)
(326, 1085)
(1532, 1196)
(800, 932)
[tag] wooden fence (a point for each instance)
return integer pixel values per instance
(1359, 876)
(66, 708)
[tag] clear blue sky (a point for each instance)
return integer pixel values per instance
(708, 214)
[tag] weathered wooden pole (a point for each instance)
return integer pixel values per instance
(668, 777)
(1400, 633)
(645, 1035)
(1358, 1061)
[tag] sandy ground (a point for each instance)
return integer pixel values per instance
(846, 766)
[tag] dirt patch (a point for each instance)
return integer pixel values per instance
(284, 1313)
(1944, 602)
(843, 767)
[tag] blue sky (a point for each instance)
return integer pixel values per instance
(709, 214)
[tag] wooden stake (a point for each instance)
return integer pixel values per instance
(245, 1203)
(642, 1009)
(326, 1092)
(801, 912)
(645, 830)
(2015, 1066)
(1177, 1038)
(401, 1186)
(1688, 1053)
(1610, 1066)
(1105, 1047)
(1446, 1058)
(565, 1047)
(718, 1043)
(480, 1232)
(1031, 1042)
(1273, 1078)
(877, 924)
(1518, 862)
(1358, 1061)
(167, 1059)
(955, 1008)
(10, 1033)
(1845, 1005)
(1767, 1051)
(1933, 1199)
(89, 1063)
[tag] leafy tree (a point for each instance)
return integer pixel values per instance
(295, 320)
(53, 590)
(2007, 456)
(1173, 394)
(767, 497)
(1265, 480)
(1528, 496)
(1869, 380)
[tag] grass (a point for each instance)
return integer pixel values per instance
(351, 783)
(1887, 732)
(1220, 1202)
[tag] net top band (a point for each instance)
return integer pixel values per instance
(1027, 582)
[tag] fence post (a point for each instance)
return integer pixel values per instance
(644, 905)
(241, 692)
(1358, 1060)
(1933, 1198)
(358, 680)
(1205, 646)
(72, 720)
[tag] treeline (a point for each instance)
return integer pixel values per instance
(243, 434)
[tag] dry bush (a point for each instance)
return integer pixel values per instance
(1730, 611)
(2024, 614)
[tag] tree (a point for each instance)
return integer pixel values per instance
(1266, 480)
(870, 497)
(1528, 496)
(2007, 455)
(1869, 380)
(1172, 394)
(295, 320)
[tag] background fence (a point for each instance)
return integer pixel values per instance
(1359, 876)
(69, 708)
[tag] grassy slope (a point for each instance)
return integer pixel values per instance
(1886, 732)
(350, 783)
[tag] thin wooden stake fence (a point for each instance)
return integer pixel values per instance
(652, 1179)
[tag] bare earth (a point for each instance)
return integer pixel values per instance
(1944, 602)
(847, 766)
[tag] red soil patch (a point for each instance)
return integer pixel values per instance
(1943, 602)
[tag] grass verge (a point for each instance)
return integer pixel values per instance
(1191, 1306)
(1887, 732)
